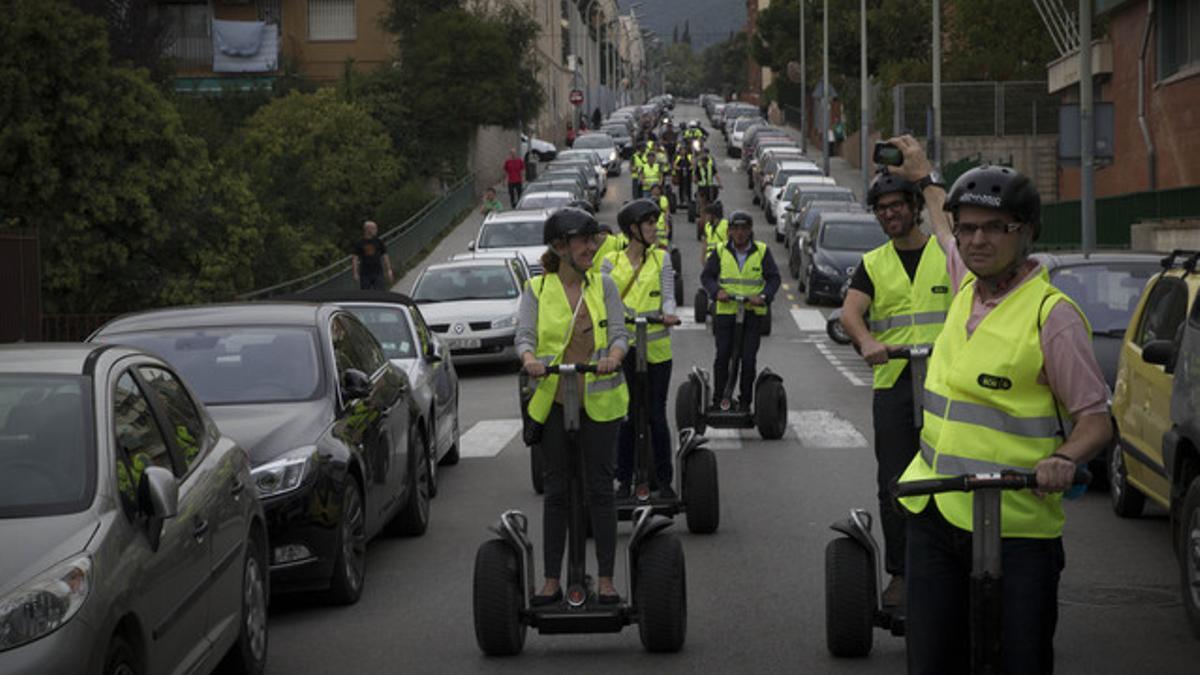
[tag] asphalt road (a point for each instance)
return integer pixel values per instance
(755, 587)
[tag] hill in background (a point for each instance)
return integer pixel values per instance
(709, 21)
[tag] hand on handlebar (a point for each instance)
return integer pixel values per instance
(1054, 474)
(722, 295)
(757, 300)
(535, 368)
(607, 365)
(671, 320)
(874, 352)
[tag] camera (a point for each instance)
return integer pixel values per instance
(888, 154)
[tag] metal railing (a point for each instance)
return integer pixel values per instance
(405, 242)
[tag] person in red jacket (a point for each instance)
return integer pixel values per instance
(514, 171)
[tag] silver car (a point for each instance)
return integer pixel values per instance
(519, 231)
(132, 538)
(472, 305)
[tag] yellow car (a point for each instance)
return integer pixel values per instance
(1155, 404)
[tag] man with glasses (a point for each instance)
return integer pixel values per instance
(898, 297)
(1012, 385)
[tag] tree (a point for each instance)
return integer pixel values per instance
(687, 33)
(723, 65)
(136, 35)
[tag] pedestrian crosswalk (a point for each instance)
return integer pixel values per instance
(811, 323)
(488, 438)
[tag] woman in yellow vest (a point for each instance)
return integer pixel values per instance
(1012, 384)
(572, 314)
(662, 226)
(643, 275)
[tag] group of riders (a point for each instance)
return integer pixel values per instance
(678, 162)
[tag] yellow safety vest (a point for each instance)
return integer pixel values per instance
(605, 397)
(612, 243)
(746, 281)
(644, 298)
(651, 173)
(716, 236)
(664, 206)
(904, 311)
(704, 172)
(985, 410)
(638, 160)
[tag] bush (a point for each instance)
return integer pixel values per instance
(401, 205)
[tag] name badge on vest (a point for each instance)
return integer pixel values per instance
(604, 323)
(655, 294)
(940, 290)
(994, 382)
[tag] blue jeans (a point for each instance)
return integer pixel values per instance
(938, 589)
(659, 381)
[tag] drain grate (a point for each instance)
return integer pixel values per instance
(1120, 596)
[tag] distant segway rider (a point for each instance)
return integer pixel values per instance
(707, 180)
(684, 163)
(1012, 385)
(743, 267)
(669, 137)
(664, 218)
(635, 170)
(904, 286)
(716, 229)
(609, 242)
(644, 276)
(653, 169)
(571, 314)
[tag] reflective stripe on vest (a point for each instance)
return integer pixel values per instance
(985, 410)
(644, 298)
(704, 173)
(745, 281)
(906, 311)
(605, 397)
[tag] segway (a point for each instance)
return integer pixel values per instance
(693, 398)
(703, 307)
(656, 595)
(696, 481)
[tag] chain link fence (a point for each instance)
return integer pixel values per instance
(976, 109)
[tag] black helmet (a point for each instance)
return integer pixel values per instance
(1001, 188)
(715, 209)
(636, 211)
(886, 183)
(566, 223)
(740, 218)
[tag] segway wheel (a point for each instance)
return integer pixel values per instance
(770, 410)
(764, 326)
(678, 290)
(498, 600)
(537, 468)
(701, 492)
(849, 593)
(660, 594)
(687, 406)
(700, 303)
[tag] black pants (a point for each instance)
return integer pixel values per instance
(637, 188)
(598, 441)
(658, 377)
(514, 193)
(938, 589)
(896, 441)
(685, 189)
(371, 283)
(751, 336)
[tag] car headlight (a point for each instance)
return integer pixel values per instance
(284, 473)
(612, 156)
(506, 322)
(46, 603)
(827, 270)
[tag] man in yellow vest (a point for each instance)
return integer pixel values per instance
(741, 268)
(708, 182)
(653, 170)
(571, 314)
(644, 276)
(715, 230)
(664, 214)
(1012, 384)
(635, 170)
(898, 297)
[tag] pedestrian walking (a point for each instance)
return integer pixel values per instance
(514, 171)
(570, 135)
(370, 264)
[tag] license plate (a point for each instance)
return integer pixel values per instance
(465, 343)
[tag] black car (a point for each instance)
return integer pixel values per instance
(834, 249)
(336, 441)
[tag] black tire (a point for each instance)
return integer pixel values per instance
(837, 332)
(248, 655)
(778, 237)
(678, 291)
(849, 599)
(794, 264)
(700, 305)
(498, 600)
(701, 492)
(349, 565)
(537, 468)
(770, 410)
(119, 658)
(452, 456)
(677, 262)
(764, 326)
(413, 518)
(1127, 501)
(687, 406)
(810, 296)
(1189, 555)
(660, 594)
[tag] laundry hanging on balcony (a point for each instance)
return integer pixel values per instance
(245, 47)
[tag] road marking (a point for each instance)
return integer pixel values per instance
(733, 164)
(808, 319)
(851, 370)
(488, 437)
(824, 429)
(726, 439)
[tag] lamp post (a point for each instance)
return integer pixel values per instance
(864, 126)
(803, 86)
(825, 89)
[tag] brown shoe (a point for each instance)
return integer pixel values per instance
(893, 595)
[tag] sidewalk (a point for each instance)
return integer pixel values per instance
(454, 241)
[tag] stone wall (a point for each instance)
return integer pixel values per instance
(488, 150)
(1034, 156)
(1165, 235)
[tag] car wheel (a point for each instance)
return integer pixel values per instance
(452, 455)
(413, 518)
(1189, 555)
(248, 655)
(810, 297)
(1127, 501)
(119, 659)
(349, 565)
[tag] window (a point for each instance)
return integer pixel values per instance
(389, 327)
(1164, 312)
(181, 413)
(332, 20)
(354, 347)
(189, 27)
(1178, 36)
(140, 443)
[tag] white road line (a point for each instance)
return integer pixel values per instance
(725, 439)
(855, 371)
(808, 319)
(488, 437)
(734, 165)
(824, 429)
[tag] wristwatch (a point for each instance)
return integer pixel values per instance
(934, 178)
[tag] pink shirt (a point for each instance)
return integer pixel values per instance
(1070, 366)
(514, 169)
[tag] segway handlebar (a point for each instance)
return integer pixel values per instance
(913, 352)
(1005, 480)
(658, 320)
(571, 368)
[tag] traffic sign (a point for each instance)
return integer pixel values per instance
(576, 97)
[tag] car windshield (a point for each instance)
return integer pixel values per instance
(784, 174)
(240, 364)
(47, 461)
(571, 186)
(594, 141)
(510, 234)
(544, 200)
(792, 188)
(1106, 292)
(852, 236)
(390, 327)
(810, 196)
(483, 282)
(616, 130)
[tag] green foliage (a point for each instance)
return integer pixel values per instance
(684, 70)
(403, 202)
(724, 65)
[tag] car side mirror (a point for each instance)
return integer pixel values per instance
(437, 352)
(1160, 353)
(471, 246)
(158, 498)
(355, 384)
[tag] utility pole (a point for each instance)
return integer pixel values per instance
(1087, 140)
(825, 88)
(803, 87)
(864, 127)
(936, 141)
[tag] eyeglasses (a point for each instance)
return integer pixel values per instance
(892, 206)
(992, 228)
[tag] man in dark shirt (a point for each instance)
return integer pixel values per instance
(370, 263)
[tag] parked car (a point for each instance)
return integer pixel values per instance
(549, 201)
(131, 540)
(619, 132)
(543, 150)
(543, 184)
(738, 130)
(770, 151)
(472, 305)
(519, 231)
(778, 176)
(801, 197)
(779, 199)
(805, 222)
(524, 271)
(590, 158)
(606, 146)
(1155, 407)
(334, 434)
(835, 248)
(580, 172)
(407, 341)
